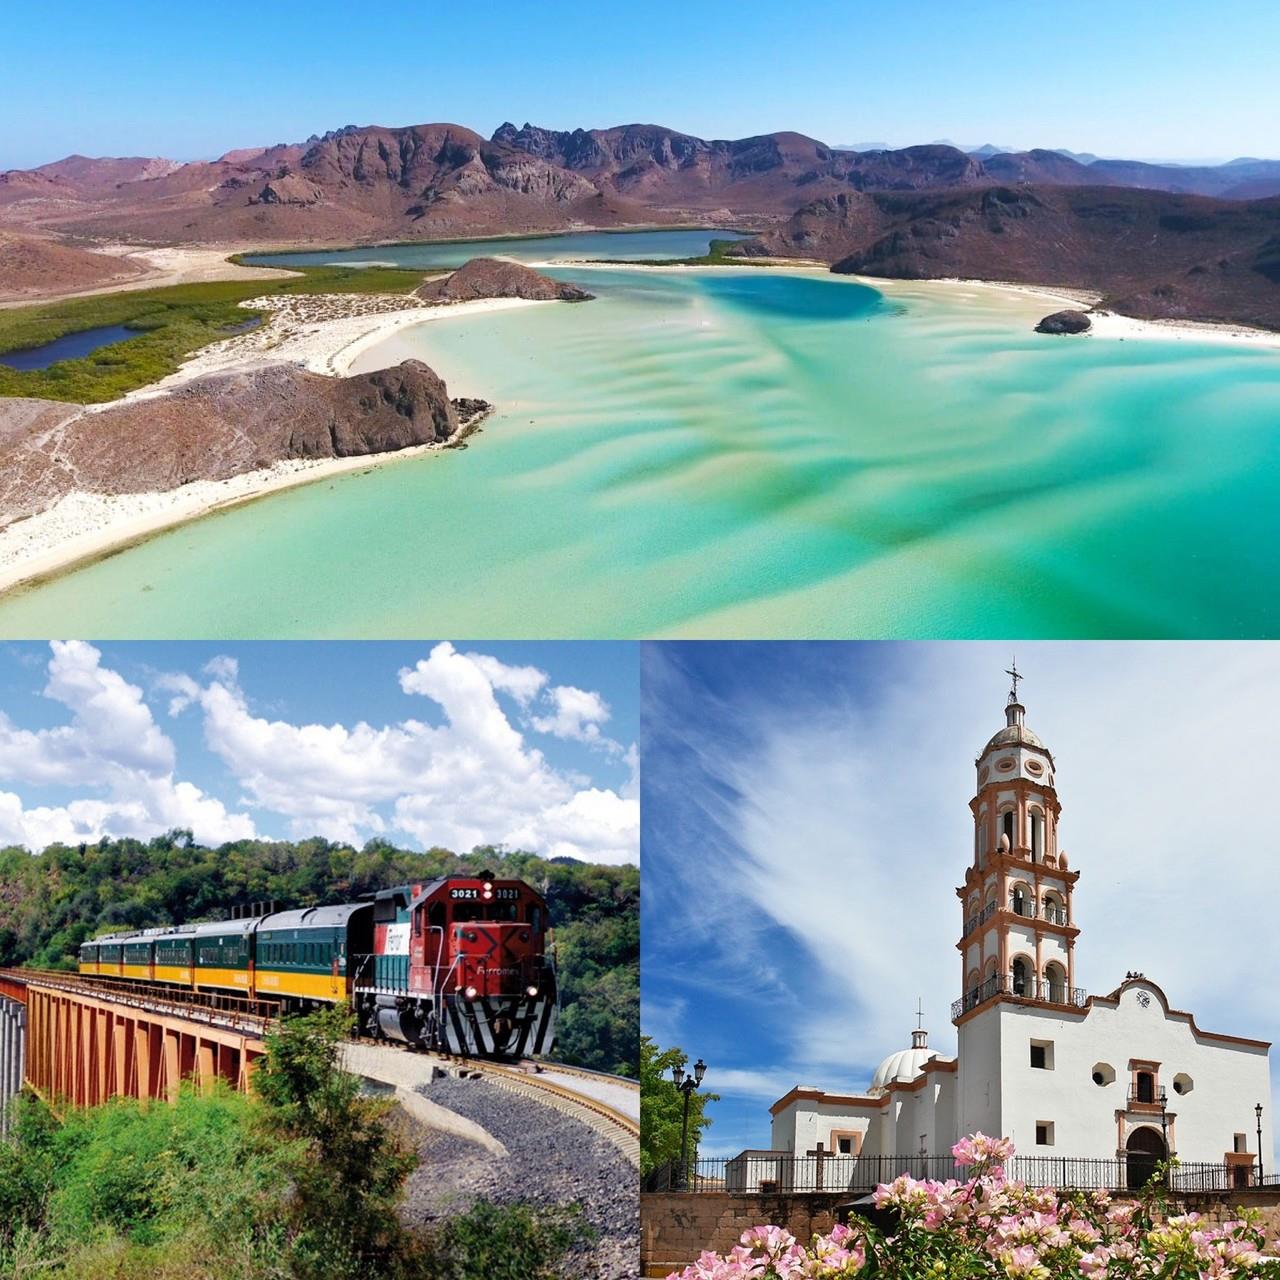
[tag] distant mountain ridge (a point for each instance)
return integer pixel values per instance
(360, 183)
(1159, 239)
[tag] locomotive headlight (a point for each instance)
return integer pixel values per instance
(532, 991)
(471, 993)
(487, 889)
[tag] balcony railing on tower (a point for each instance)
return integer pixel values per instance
(1003, 984)
(976, 922)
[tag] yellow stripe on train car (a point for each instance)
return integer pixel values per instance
(306, 986)
(140, 971)
(171, 973)
(232, 978)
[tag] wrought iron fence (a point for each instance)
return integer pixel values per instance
(769, 1173)
(1029, 988)
(975, 921)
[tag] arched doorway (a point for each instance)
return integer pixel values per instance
(1144, 1150)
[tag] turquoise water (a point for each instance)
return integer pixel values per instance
(756, 453)
(626, 246)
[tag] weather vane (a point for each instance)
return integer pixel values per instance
(1012, 670)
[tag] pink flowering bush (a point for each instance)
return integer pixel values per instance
(989, 1226)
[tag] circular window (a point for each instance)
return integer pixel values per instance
(1004, 765)
(1183, 1083)
(1103, 1074)
(1034, 766)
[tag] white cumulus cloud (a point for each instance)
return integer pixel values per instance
(110, 745)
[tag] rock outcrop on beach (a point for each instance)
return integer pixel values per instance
(216, 427)
(499, 278)
(1065, 322)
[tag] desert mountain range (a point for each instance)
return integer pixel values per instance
(1159, 239)
(437, 179)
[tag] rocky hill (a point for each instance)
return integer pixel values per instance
(1152, 254)
(498, 278)
(213, 428)
(37, 266)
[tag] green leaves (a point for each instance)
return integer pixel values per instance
(662, 1108)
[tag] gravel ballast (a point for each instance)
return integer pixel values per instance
(553, 1160)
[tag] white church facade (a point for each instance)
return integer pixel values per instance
(1124, 1076)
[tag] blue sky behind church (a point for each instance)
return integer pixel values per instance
(1181, 79)
(428, 743)
(805, 824)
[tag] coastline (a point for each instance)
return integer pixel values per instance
(327, 333)
(1107, 325)
(82, 527)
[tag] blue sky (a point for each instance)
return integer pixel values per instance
(1178, 79)
(805, 822)
(530, 745)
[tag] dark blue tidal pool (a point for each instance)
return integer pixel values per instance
(71, 346)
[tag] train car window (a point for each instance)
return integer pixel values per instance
(436, 918)
(417, 922)
(535, 918)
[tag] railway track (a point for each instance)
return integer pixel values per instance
(589, 1102)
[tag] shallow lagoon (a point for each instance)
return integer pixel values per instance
(71, 346)
(757, 453)
(626, 246)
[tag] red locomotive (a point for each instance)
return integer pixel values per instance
(463, 965)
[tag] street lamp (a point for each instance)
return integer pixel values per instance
(686, 1085)
(1257, 1111)
(1164, 1130)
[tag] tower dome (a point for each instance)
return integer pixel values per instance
(904, 1065)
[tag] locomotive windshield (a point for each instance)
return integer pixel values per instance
(486, 911)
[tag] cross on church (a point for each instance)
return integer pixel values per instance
(1012, 670)
(822, 1155)
(919, 1014)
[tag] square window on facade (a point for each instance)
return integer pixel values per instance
(1044, 1133)
(1042, 1054)
(846, 1146)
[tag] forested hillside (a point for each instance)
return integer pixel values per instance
(51, 901)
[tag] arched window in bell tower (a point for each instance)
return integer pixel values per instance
(1021, 984)
(1037, 836)
(1007, 827)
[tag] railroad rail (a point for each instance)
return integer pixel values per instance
(212, 1008)
(526, 1077)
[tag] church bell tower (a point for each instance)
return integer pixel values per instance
(1018, 931)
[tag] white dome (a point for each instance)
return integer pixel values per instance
(904, 1065)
